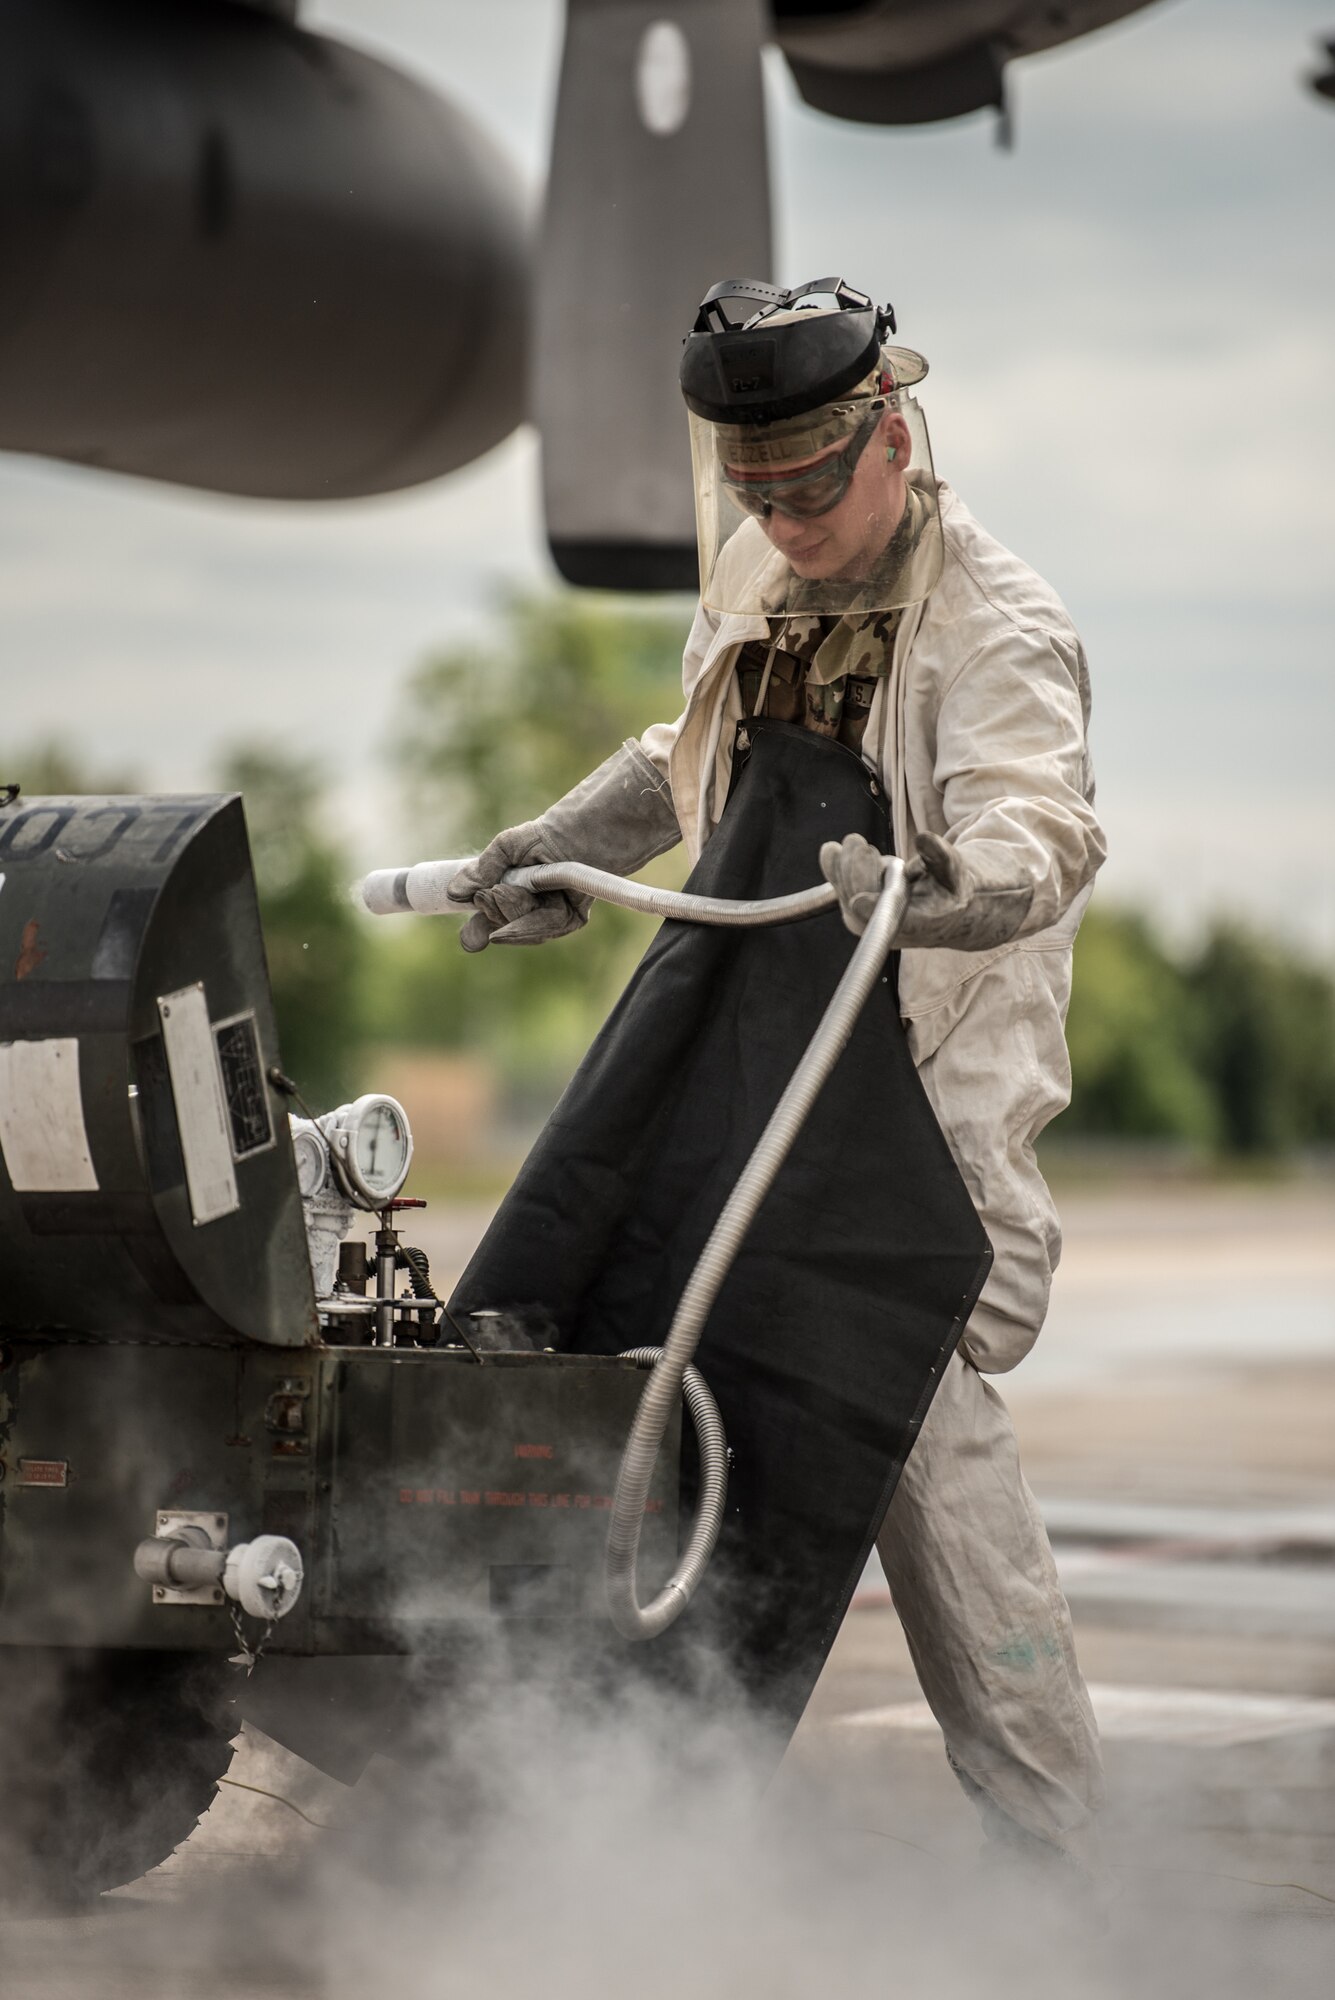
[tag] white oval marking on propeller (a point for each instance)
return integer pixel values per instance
(663, 78)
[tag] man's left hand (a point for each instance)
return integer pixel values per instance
(857, 870)
(964, 901)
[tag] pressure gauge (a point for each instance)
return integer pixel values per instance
(310, 1149)
(370, 1147)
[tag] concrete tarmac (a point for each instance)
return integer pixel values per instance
(1178, 1426)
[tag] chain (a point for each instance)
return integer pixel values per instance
(248, 1655)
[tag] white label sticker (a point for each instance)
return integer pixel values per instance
(201, 1113)
(42, 1133)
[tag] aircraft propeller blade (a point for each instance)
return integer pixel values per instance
(659, 187)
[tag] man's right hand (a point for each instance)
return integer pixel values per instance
(505, 914)
(616, 819)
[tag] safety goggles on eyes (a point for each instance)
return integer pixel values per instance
(802, 494)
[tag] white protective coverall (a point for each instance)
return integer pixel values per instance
(978, 733)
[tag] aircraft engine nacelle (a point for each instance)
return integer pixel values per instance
(247, 258)
(910, 62)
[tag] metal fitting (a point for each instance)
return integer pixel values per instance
(187, 1562)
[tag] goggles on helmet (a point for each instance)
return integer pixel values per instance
(806, 493)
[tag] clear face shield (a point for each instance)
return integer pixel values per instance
(832, 512)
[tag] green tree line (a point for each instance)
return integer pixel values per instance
(1227, 1047)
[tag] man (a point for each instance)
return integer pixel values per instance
(846, 590)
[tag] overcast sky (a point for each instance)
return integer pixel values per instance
(1131, 326)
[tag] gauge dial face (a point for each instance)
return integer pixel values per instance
(312, 1157)
(371, 1147)
(381, 1147)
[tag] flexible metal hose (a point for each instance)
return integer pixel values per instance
(711, 1438)
(421, 890)
(632, 1619)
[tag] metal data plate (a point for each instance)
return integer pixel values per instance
(201, 1110)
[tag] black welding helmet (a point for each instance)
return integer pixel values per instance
(814, 489)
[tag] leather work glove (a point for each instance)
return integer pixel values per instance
(965, 901)
(617, 818)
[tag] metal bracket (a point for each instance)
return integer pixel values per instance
(166, 1522)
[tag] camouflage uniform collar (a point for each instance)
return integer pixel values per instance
(858, 645)
(855, 644)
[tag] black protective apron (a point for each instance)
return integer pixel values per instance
(850, 1293)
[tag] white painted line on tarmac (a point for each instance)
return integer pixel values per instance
(1199, 1716)
(1222, 1528)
